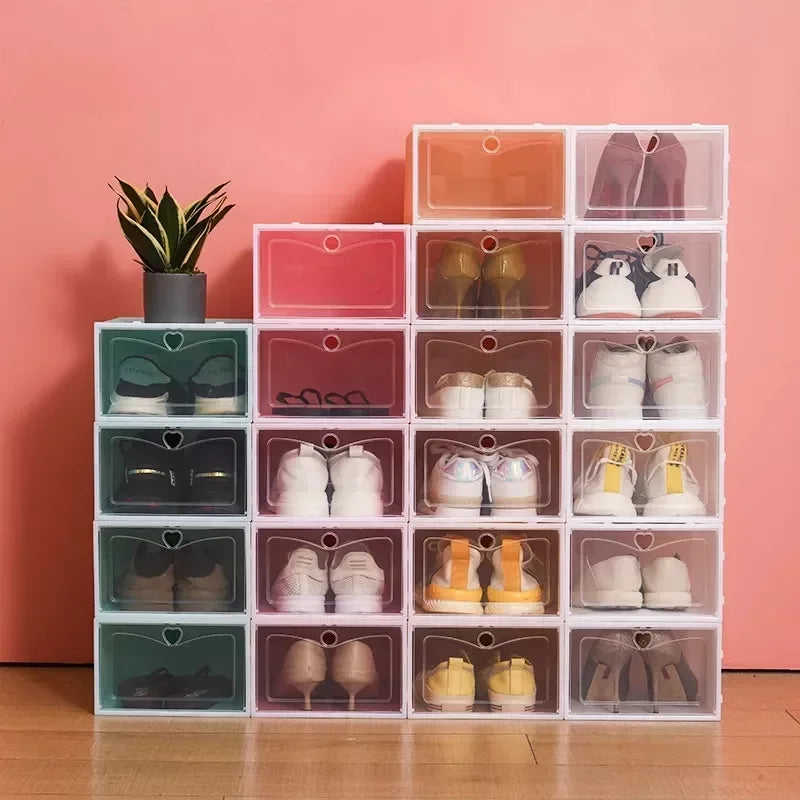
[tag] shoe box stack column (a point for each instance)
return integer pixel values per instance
(172, 510)
(330, 490)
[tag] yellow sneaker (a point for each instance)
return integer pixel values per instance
(450, 686)
(511, 685)
(513, 589)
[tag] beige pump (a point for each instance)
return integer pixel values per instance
(354, 669)
(304, 668)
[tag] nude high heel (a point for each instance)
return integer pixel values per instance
(614, 186)
(605, 677)
(663, 179)
(503, 272)
(354, 669)
(669, 677)
(456, 279)
(304, 668)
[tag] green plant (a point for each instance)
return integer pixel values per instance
(166, 237)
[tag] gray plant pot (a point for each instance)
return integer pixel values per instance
(174, 297)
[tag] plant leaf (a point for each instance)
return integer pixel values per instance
(150, 193)
(194, 252)
(218, 216)
(187, 243)
(170, 216)
(193, 210)
(144, 243)
(136, 198)
(131, 210)
(151, 224)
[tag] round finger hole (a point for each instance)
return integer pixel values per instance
(332, 243)
(329, 539)
(330, 441)
(491, 144)
(328, 638)
(331, 342)
(488, 343)
(489, 244)
(486, 541)
(487, 442)
(652, 145)
(486, 639)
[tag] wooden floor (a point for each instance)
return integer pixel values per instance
(51, 744)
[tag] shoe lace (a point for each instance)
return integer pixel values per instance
(640, 276)
(599, 461)
(653, 466)
(451, 451)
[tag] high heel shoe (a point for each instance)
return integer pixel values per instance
(303, 669)
(605, 677)
(614, 186)
(503, 272)
(455, 289)
(669, 677)
(663, 179)
(354, 669)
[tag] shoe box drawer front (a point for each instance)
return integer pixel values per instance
(357, 271)
(184, 569)
(647, 174)
(659, 570)
(161, 371)
(158, 471)
(338, 472)
(171, 668)
(489, 274)
(497, 572)
(329, 571)
(644, 671)
(648, 274)
(329, 669)
(332, 373)
(502, 473)
(489, 174)
(632, 376)
(458, 670)
(651, 474)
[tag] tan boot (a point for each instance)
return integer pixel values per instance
(354, 669)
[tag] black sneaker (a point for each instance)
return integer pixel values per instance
(613, 284)
(210, 474)
(144, 388)
(306, 404)
(218, 387)
(148, 476)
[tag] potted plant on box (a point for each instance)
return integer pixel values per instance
(168, 240)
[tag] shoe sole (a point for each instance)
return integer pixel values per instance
(611, 598)
(137, 406)
(667, 600)
(511, 703)
(446, 704)
(605, 504)
(675, 505)
(359, 604)
(514, 609)
(219, 406)
(309, 604)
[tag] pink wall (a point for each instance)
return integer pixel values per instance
(305, 105)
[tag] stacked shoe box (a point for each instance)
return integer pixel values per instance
(330, 444)
(172, 510)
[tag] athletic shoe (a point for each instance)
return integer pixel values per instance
(218, 387)
(301, 483)
(144, 388)
(149, 476)
(454, 587)
(455, 484)
(148, 581)
(666, 583)
(672, 291)
(609, 290)
(458, 395)
(513, 482)
(200, 581)
(508, 395)
(512, 588)
(511, 685)
(302, 584)
(357, 480)
(210, 470)
(677, 382)
(449, 686)
(357, 581)
(606, 486)
(615, 582)
(672, 490)
(617, 381)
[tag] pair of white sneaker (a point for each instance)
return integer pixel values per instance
(674, 372)
(456, 483)
(354, 577)
(302, 483)
(606, 486)
(496, 395)
(622, 582)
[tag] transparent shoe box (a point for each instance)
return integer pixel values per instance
(166, 569)
(652, 173)
(645, 572)
(647, 375)
(326, 271)
(300, 570)
(328, 670)
(153, 369)
(171, 668)
(675, 474)
(648, 672)
(154, 470)
(485, 671)
(358, 473)
(506, 474)
(496, 374)
(665, 274)
(331, 372)
(437, 560)
(495, 273)
(484, 173)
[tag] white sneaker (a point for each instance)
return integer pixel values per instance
(677, 381)
(301, 481)
(666, 583)
(673, 293)
(455, 484)
(609, 291)
(613, 583)
(513, 482)
(302, 584)
(512, 588)
(606, 486)
(617, 381)
(454, 587)
(458, 395)
(509, 395)
(357, 480)
(357, 581)
(672, 490)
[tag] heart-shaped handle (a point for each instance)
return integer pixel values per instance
(173, 340)
(644, 441)
(643, 540)
(172, 636)
(172, 439)
(645, 242)
(646, 342)
(642, 639)
(172, 537)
